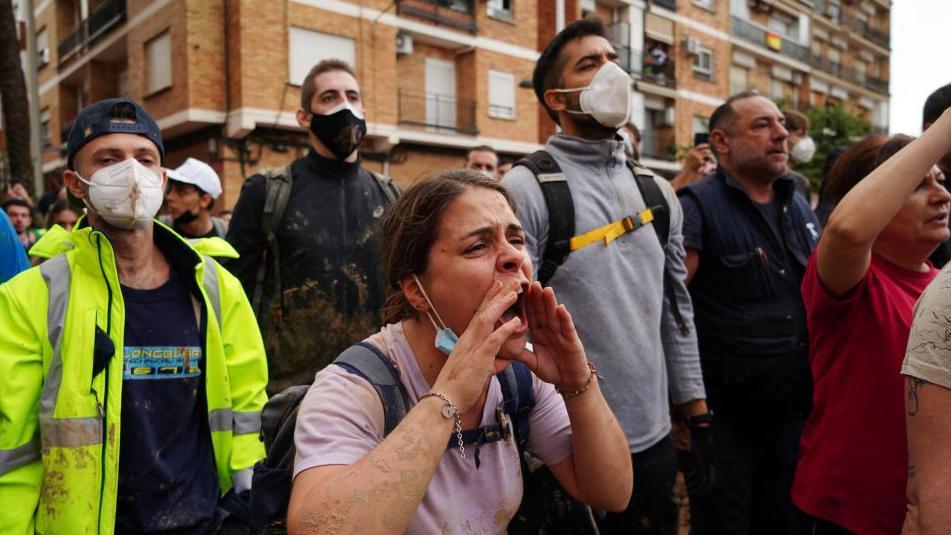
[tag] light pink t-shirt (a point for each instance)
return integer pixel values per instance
(341, 420)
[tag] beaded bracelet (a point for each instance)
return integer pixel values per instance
(581, 389)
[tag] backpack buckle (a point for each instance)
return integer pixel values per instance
(505, 428)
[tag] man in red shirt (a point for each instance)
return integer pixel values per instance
(859, 291)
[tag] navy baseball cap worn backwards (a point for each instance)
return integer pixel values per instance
(111, 116)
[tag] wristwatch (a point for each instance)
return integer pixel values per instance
(697, 419)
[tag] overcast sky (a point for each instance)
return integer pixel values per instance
(921, 38)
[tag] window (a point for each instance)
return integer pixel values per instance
(777, 89)
(308, 48)
(158, 57)
(709, 5)
(703, 63)
(45, 127)
(501, 9)
(860, 71)
(42, 49)
(834, 11)
(501, 95)
(739, 79)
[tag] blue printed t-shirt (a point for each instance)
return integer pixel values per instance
(167, 476)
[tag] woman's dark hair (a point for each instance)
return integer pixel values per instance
(858, 161)
(60, 206)
(411, 226)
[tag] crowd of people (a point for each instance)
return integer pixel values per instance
(531, 346)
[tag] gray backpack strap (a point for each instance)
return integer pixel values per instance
(277, 192)
(386, 184)
(367, 361)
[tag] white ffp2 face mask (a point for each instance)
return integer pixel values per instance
(803, 150)
(125, 194)
(607, 98)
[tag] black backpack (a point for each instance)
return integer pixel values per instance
(277, 191)
(271, 485)
(561, 218)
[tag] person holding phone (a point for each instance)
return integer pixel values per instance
(748, 237)
(698, 162)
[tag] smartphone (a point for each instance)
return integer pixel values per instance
(700, 138)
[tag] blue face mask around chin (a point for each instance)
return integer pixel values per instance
(445, 338)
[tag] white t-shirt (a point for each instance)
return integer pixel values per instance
(341, 420)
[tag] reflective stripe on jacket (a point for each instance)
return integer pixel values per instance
(59, 425)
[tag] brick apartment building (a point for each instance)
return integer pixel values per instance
(223, 76)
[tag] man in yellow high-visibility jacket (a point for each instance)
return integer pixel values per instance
(132, 371)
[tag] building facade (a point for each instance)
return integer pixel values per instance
(222, 77)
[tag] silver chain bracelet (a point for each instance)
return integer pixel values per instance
(449, 411)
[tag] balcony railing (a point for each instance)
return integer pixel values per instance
(620, 35)
(104, 18)
(823, 63)
(455, 13)
(437, 112)
(757, 35)
(863, 27)
(669, 4)
(664, 73)
(877, 84)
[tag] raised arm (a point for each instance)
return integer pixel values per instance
(845, 249)
(381, 492)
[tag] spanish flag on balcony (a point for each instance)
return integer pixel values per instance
(773, 41)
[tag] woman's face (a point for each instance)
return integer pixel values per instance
(922, 223)
(66, 219)
(479, 241)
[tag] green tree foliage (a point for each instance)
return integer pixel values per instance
(830, 127)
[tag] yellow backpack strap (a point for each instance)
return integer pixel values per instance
(612, 231)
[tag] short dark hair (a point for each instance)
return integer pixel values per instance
(935, 105)
(309, 86)
(796, 121)
(724, 117)
(481, 148)
(859, 160)
(547, 73)
(16, 201)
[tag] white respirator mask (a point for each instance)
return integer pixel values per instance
(608, 98)
(803, 150)
(125, 194)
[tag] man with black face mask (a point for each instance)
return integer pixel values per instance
(192, 190)
(308, 236)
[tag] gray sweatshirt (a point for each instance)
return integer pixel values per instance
(616, 293)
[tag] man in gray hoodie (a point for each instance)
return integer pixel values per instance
(614, 287)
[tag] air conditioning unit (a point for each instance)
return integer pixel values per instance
(760, 5)
(691, 46)
(404, 44)
(43, 56)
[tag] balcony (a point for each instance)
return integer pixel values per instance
(877, 84)
(101, 20)
(822, 63)
(755, 34)
(659, 67)
(620, 37)
(669, 4)
(862, 27)
(455, 13)
(437, 112)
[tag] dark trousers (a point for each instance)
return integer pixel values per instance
(803, 523)
(755, 464)
(652, 509)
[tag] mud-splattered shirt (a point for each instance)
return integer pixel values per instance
(167, 476)
(331, 287)
(341, 420)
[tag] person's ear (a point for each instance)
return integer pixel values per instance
(556, 100)
(205, 201)
(719, 142)
(73, 184)
(303, 118)
(413, 293)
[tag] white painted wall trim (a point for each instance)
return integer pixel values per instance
(699, 97)
(441, 34)
(192, 115)
(665, 165)
(38, 10)
(147, 13)
(53, 165)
